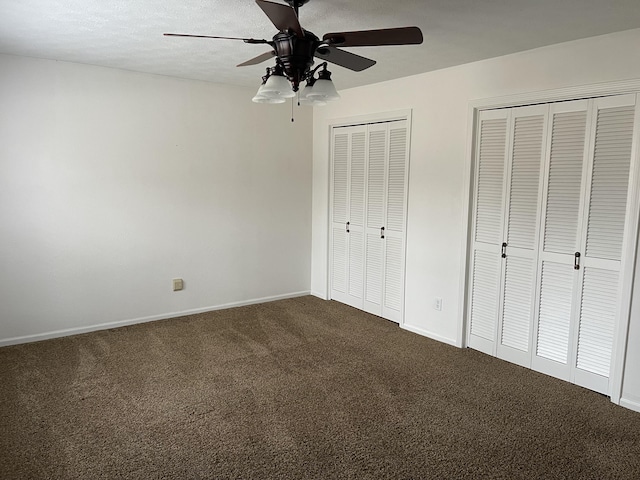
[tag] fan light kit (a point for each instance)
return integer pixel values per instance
(294, 50)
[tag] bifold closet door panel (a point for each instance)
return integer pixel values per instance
(347, 223)
(378, 142)
(557, 282)
(605, 214)
(339, 200)
(385, 213)
(394, 233)
(522, 215)
(486, 258)
(356, 215)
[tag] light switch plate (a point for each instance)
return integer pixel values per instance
(178, 284)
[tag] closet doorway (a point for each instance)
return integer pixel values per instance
(368, 210)
(553, 234)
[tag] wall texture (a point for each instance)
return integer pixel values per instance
(439, 173)
(112, 183)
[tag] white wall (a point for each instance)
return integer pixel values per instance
(112, 183)
(438, 165)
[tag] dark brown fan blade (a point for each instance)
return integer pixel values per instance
(344, 59)
(259, 59)
(283, 17)
(372, 38)
(245, 40)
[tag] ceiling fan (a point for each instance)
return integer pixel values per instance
(294, 48)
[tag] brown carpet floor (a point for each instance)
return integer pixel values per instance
(300, 388)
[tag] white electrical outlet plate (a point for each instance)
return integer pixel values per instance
(437, 304)
(178, 284)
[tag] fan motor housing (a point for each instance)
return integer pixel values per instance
(296, 54)
(296, 3)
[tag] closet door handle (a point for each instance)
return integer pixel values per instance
(347, 226)
(504, 250)
(576, 261)
(381, 232)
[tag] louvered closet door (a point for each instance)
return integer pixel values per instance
(378, 143)
(491, 158)
(339, 201)
(601, 245)
(561, 230)
(370, 167)
(348, 210)
(558, 202)
(522, 216)
(395, 213)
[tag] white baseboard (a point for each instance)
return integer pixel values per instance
(425, 333)
(320, 295)
(123, 323)
(630, 404)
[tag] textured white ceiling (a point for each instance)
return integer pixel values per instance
(127, 34)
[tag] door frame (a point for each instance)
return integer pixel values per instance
(630, 238)
(372, 118)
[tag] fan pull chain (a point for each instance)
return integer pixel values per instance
(292, 120)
